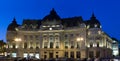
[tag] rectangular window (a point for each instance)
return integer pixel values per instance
(97, 53)
(31, 54)
(45, 56)
(56, 56)
(78, 54)
(14, 55)
(91, 54)
(37, 55)
(66, 54)
(72, 44)
(25, 55)
(66, 44)
(45, 44)
(72, 54)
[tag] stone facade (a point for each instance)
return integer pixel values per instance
(53, 37)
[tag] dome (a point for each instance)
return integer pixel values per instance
(53, 15)
(13, 25)
(51, 19)
(93, 22)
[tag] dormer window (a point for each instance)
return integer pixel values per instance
(88, 26)
(43, 26)
(57, 25)
(53, 25)
(95, 25)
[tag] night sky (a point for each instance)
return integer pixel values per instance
(106, 11)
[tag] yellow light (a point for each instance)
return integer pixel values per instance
(80, 39)
(17, 39)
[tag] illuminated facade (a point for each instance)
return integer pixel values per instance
(2, 48)
(55, 37)
(115, 47)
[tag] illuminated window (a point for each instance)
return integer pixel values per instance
(37, 55)
(95, 25)
(31, 54)
(14, 55)
(57, 25)
(53, 25)
(88, 26)
(88, 33)
(99, 32)
(25, 55)
(43, 26)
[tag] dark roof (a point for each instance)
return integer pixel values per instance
(71, 22)
(30, 21)
(93, 21)
(53, 15)
(13, 25)
(54, 19)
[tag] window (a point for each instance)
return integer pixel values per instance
(25, 55)
(78, 54)
(98, 54)
(72, 44)
(25, 45)
(45, 56)
(45, 44)
(97, 44)
(37, 55)
(66, 44)
(72, 54)
(25, 37)
(57, 56)
(57, 44)
(31, 37)
(66, 35)
(71, 35)
(31, 54)
(91, 54)
(36, 37)
(78, 46)
(14, 46)
(66, 54)
(14, 55)
(51, 44)
(91, 44)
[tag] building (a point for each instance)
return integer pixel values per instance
(2, 48)
(55, 37)
(115, 47)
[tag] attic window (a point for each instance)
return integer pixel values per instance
(57, 25)
(100, 26)
(53, 25)
(43, 26)
(88, 26)
(95, 25)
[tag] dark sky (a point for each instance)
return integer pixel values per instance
(106, 11)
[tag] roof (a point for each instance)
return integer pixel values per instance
(53, 18)
(13, 25)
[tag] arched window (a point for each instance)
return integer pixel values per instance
(91, 44)
(97, 44)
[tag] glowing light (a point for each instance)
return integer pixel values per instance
(17, 39)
